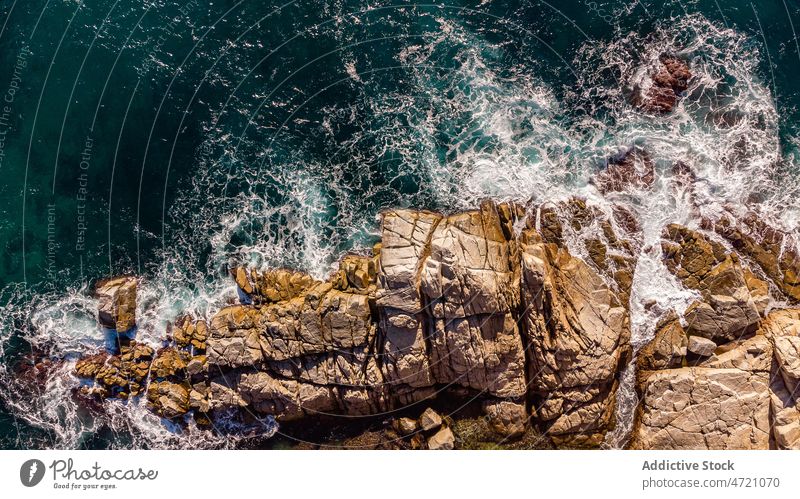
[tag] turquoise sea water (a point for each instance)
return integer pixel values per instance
(172, 138)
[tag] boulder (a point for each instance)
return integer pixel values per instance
(430, 420)
(116, 303)
(189, 333)
(167, 399)
(506, 418)
(668, 347)
(442, 440)
(704, 408)
(787, 355)
(405, 426)
(701, 346)
(773, 250)
(404, 236)
(723, 403)
(470, 283)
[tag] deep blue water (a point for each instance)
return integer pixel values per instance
(169, 138)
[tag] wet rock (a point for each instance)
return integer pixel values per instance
(667, 348)
(632, 169)
(774, 251)
(124, 375)
(579, 333)
(89, 366)
(430, 420)
(116, 303)
(167, 399)
(666, 84)
(442, 440)
(727, 310)
(701, 346)
(191, 333)
(506, 418)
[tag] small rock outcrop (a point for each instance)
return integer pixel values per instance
(116, 303)
(665, 85)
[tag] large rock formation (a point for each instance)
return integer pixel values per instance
(524, 311)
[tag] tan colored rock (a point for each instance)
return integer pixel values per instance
(787, 354)
(470, 281)
(775, 251)
(667, 348)
(443, 440)
(430, 420)
(405, 242)
(191, 333)
(405, 426)
(169, 363)
(116, 303)
(701, 346)
(235, 337)
(704, 408)
(579, 335)
(785, 412)
(506, 418)
(727, 310)
(168, 399)
(89, 366)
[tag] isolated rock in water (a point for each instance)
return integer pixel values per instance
(632, 169)
(443, 440)
(430, 420)
(508, 419)
(661, 93)
(775, 251)
(727, 310)
(116, 303)
(579, 334)
(667, 348)
(701, 346)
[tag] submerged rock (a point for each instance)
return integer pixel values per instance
(666, 84)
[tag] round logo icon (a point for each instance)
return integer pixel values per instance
(31, 472)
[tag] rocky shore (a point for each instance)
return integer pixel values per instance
(522, 312)
(489, 306)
